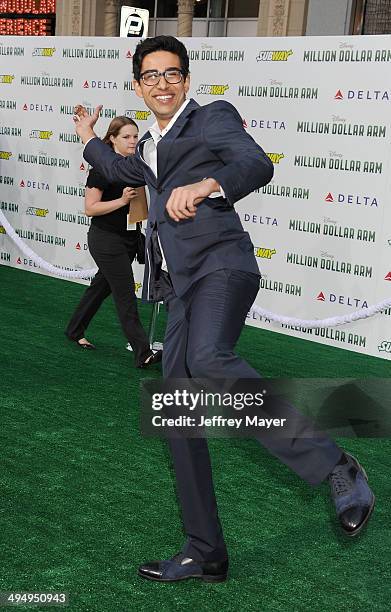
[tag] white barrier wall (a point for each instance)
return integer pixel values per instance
(320, 107)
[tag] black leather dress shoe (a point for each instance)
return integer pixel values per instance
(352, 496)
(181, 567)
(151, 359)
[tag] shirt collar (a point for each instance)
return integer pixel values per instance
(157, 133)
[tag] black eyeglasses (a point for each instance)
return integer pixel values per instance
(171, 75)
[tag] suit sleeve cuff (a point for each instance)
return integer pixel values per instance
(216, 194)
(92, 138)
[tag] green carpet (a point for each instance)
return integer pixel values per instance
(85, 498)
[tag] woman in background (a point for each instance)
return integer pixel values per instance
(113, 248)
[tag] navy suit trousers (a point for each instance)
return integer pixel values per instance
(202, 330)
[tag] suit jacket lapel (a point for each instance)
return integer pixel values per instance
(165, 144)
(140, 154)
(140, 144)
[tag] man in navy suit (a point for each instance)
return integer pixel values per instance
(198, 161)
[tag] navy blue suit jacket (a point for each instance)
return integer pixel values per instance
(204, 142)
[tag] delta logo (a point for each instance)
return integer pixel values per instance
(128, 54)
(140, 115)
(82, 167)
(34, 185)
(350, 198)
(41, 134)
(43, 52)
(274, 56)
(333, 298)
(42, 108)
(26, 262)
(78, 247)
(100, 85)
(264, 253)
(377, 95)
(212, 90)
(5, 155)
(245, 124)
(275, 157)
(37, 212)
(268, 124)
(385, 346)
(388, 277)
(7, 78)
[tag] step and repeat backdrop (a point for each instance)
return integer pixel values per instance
(320, 108)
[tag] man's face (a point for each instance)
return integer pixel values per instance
(163, 99)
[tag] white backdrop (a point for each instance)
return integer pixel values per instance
(320, 107)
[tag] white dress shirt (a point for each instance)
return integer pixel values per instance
(150, 157)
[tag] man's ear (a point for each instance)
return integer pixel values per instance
(137, 88)
(187, 83)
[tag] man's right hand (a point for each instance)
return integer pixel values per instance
(85, 122)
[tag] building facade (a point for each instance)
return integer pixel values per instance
(204, 18)
(230, 17)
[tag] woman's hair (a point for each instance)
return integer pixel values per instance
(115, 126)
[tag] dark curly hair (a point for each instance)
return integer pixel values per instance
(160, 43)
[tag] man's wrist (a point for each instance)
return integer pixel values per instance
(216, 189)
(87, 135)
(212, 183)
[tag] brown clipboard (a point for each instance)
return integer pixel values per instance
(138, 207)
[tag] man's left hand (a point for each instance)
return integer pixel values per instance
(182, 203)
(84, 122)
